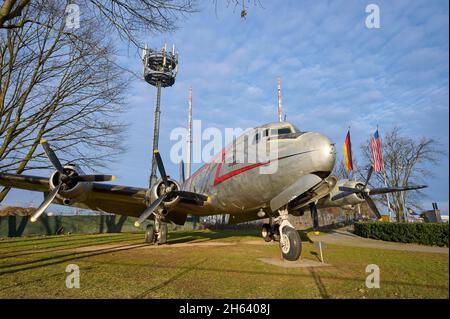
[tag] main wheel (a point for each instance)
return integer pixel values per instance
(149, 236)
(266, 233)
(163, 230)
(290, 244)
(276, 233)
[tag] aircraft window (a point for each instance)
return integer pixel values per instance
(257, 138)
(280, 131)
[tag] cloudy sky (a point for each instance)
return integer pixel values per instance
(335, 73)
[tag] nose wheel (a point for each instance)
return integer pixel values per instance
(290, 244)
(282, 230)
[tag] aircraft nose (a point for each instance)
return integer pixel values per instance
(323, 155)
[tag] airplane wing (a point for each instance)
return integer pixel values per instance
(115, 199)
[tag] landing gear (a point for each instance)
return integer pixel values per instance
(156, 233)
(314, 217)
(149, 237)
(266, 233)
(288, 236)
(270, 232)
(162, 238)
(290, 244)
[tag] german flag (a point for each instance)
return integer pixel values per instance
(347, 149)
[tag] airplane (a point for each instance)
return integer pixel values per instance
(302, 181)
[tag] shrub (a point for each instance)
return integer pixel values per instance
(420, 233)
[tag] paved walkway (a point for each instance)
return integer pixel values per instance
(345, 238)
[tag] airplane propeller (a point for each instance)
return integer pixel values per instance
(64, 180)
(365, 192)
(169, 192)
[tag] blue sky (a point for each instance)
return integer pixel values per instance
(335, 73)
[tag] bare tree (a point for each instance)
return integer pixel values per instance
(243, 5)
(63, 83)
(406, 161)
(112, 225)
(341, 172)
(59, 88)
(10, 10)
(128, 18)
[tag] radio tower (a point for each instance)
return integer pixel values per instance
(280, 111)
(160, 70)
(189, 142)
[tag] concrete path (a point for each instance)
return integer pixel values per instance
(345, 238)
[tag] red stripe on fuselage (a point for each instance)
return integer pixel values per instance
(219, 179)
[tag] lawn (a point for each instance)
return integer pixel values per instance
(208, 264)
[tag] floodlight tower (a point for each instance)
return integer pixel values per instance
(160, 70)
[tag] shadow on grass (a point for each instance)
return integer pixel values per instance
(313, 253)
(55, 239)
(178, 237)
(171, 279)
(304, 236)
(197, 267)
(53, 260)
(67, 245)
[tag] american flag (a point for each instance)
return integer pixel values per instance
(376, 152)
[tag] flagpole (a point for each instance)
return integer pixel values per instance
(351, 158)
(385, 185)
(387, 195)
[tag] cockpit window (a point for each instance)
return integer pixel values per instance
(296, 130)
(280, 131)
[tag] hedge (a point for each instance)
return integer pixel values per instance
(420, 233)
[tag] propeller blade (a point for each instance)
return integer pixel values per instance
(372, 205)
(150, 209)
(93, 178)
(47, 201)
(161, 169)
(52, 156)
(369, 175)
(384, 190)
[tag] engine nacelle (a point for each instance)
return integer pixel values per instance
(160, 188)
(71, 191)
(347, 201)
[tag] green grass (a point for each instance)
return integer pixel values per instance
(34, 267)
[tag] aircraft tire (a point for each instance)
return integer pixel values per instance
(293, 248)
(149, 237)
(276, 233)
(163, 230)
(265, 233)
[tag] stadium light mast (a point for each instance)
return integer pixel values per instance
(160, 70)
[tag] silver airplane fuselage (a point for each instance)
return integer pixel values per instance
(248, 185)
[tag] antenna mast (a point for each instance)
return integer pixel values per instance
(189, 142)
(280, 111)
